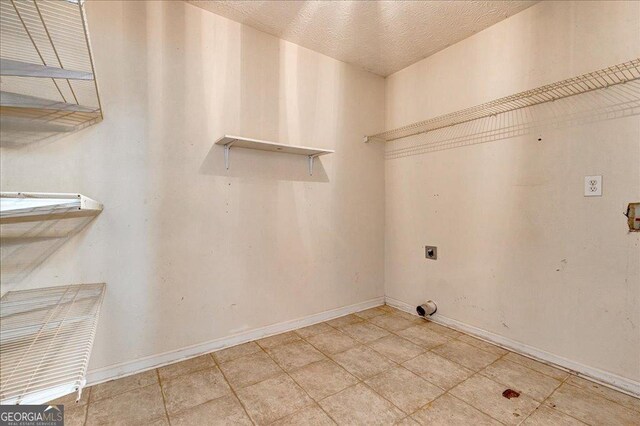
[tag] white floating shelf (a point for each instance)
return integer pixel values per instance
(46, 336)
(600, 79)
(229, 141)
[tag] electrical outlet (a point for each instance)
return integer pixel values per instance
(431, 252)
(593, 186)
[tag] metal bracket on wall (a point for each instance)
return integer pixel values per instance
(311, 160)
(227, 150)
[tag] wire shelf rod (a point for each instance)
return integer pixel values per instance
(604, 78)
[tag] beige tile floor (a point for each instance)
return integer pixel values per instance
(375, 367)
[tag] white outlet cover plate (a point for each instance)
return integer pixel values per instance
(593, 186)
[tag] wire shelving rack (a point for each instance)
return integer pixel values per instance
(47, 77)
(46, 336)
(600, 79)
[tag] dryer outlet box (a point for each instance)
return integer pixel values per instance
(431, 252)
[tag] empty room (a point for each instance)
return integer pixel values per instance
(319, 212)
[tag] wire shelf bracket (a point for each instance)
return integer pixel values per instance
(600, 79)
(46, 336)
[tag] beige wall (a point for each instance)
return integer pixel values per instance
(191, 252)
(522, 253)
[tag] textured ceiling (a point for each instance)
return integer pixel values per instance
(380, 36)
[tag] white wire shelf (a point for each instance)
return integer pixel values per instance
(600, 79)
(34, 225)
(24, 69)
(228, 142)
(46, 336)
(17, 100)
(43, 215)
(614, 102)
(46, 71)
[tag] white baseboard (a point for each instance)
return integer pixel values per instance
(605, 378)
(132, 367)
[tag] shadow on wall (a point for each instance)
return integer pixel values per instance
(17, 133)
(617, 101)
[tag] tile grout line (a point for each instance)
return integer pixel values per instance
(542, 404)
(313, 399)
(427, 350)
(544, 374)
(198, 370)
(473, 406)
(456, 362)
(216, 365)
(447, 391)
(164, 400)
(595, 394)
(395, 365)
(600, 395)
(111, 397)
(383, 397)
(86, 412)
(233, 391)
(574, 374)
(360, 381)
(479, 373)
(363, 381)
(565, 370)
(468, 402)
(327, 332)
(461, 400)
(561, 382)
(297, 384)
(444, 392)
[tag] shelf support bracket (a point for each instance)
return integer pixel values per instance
(311, 160)
(83, 383)
(227, 150)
